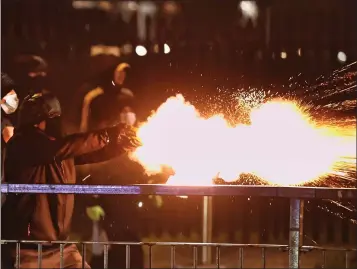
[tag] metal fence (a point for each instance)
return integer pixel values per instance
(264, 248)
(295, 194)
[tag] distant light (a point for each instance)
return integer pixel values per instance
(249, 9)
(156, 48)
(131, 5)
(140, 204)
(84, 4)
(104, 50)
(166, 49)
(299, 51)
(140, 50)
(104, 5)
(127, 9)
(148, 8)
(283, 55)
(170, 7)
(341, 57)
(127, 49)
(183, 197)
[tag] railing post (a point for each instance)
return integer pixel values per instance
(301, 231)
(294, 233)
(207, 230)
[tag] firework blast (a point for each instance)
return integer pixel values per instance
(303, 136)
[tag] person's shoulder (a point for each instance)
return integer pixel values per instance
(28, 138)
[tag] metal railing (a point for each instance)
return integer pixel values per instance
(264, 248)
(295, 194)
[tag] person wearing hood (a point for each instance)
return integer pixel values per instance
(27, 75)
(30, 73)
(37, 154)
(108, 102)
(9, 104)
(104, 105)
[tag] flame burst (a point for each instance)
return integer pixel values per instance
(282, 145)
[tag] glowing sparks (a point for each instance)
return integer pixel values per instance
(281, 145)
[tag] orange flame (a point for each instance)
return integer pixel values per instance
(282, 145)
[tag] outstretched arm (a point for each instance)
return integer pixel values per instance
(125, 141)
(102, 155)
(41, 149)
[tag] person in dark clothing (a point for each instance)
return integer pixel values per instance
(9, 104)
(35, 156)
(113, 98)
(111, 95)
(27, 75)
(30, 73)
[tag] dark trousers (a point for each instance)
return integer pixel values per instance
(50, 258)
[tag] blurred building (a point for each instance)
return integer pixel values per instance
(318, 28)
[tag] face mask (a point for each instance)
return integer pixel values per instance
(53, 127)
(37, 83)
(128, 118)
(11, 102)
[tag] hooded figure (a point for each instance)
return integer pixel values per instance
(9, 104)
(34, 155)
(30, 73)
(108, 103)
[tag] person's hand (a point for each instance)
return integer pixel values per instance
(128, 139)
(125, 136)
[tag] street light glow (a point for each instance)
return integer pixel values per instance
(341, 56)
(249, 8)
(166, 49)
(299, 51)
(140, 50)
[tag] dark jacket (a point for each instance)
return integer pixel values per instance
(32, 157)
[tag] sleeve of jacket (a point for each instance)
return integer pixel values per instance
(43, 150)
(109, 152)
(78, 144)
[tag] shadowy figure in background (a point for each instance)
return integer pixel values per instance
(108, 103)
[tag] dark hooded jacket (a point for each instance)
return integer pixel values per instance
(32, 157)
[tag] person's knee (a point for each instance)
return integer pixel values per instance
(73, 259)
(79, 265)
